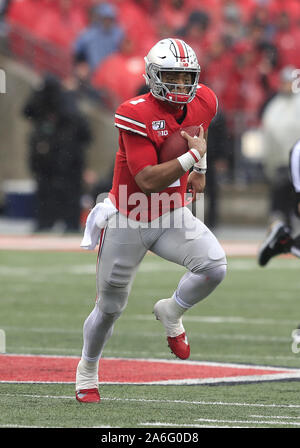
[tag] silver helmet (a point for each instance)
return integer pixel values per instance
(171, 55)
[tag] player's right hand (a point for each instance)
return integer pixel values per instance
(198, 143)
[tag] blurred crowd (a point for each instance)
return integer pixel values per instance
(248, 51)
(241, 45)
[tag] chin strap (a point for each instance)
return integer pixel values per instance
(174, 97)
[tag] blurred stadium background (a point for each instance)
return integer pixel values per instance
(242, 48)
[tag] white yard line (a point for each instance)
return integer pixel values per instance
(217, 423)
(180, 425)
(274, 416)
(256, 422)
(210, 420)
(217, 320)
(222, 319)
(240, 337)
(181, 402)
(10, 425)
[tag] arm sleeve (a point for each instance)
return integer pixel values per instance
(140, 152)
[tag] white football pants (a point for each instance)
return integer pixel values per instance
(178, 237)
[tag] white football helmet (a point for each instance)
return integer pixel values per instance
(171, 55)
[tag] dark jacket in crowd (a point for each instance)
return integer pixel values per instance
(57, 146)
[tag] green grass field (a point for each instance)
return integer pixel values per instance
(45, 297)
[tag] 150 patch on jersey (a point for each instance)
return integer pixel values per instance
(158, 125)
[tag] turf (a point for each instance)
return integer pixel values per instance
(45, 297)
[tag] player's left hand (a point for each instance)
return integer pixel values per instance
(195, 184)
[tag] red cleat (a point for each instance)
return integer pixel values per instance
(175, 331)
(88, 396)
(180, 346)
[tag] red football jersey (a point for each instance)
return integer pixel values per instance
(144, 124)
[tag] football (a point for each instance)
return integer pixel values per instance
(175, 145)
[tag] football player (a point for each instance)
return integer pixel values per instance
(167, 228)
(279, 239)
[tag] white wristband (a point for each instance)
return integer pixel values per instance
(202, 164)
(188, 159)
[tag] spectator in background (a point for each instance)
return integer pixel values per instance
(139, 26)
(101, 38)
(120, 76)
(4, 4)
(231, 22)
(219, 60)
(80, 82)
(250, 80)
(287, 40)
(57, 154)
(217, 164)
(198, 34)
(58, 23)
(279, 239)
(3, 7)
(280, 126)
(173, 15)
(150, 7)
(24, 13)
(268, 71)
(41, 33)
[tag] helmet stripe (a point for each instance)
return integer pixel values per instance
(181, 49)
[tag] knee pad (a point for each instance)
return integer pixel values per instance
(204, 253)
(214, 275)
(195, 286)
(108, 318)
(217, 274)
(112, 299)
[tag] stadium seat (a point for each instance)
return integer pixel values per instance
(138, 26)
(121, 76)
(23, 13)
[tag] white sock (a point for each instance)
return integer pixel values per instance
(175, 310)
(169, 313)
(87, 375)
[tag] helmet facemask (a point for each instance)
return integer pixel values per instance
(168, 91)
(181, 92)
